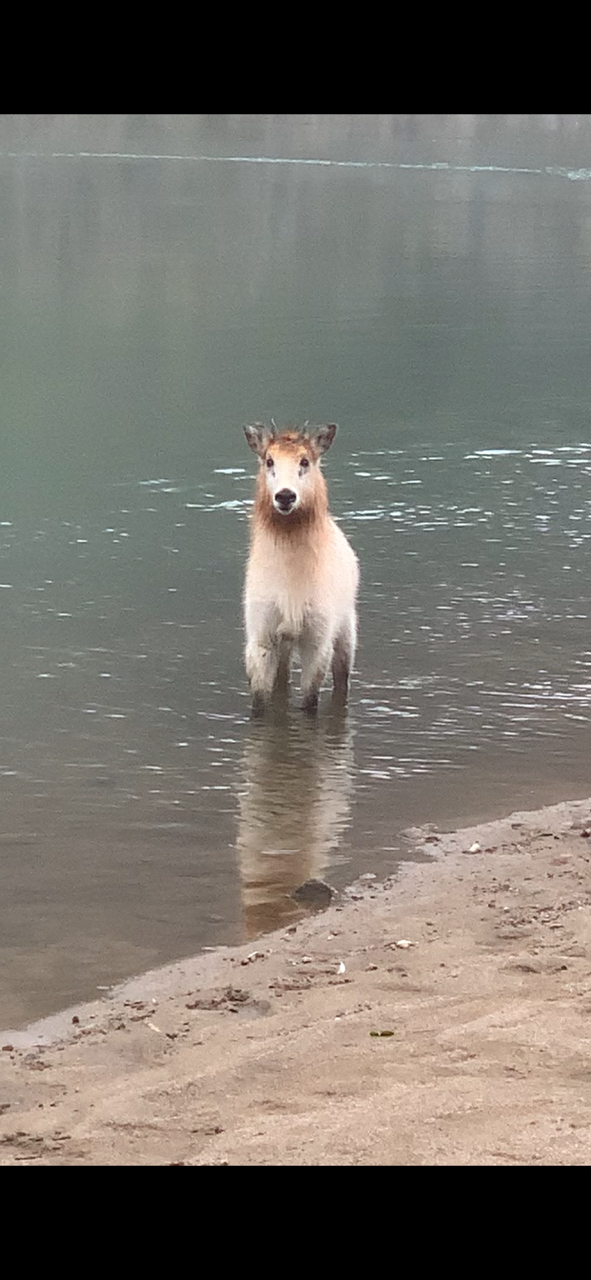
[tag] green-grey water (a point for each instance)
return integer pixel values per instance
(163, 281)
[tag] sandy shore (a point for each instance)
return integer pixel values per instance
(442, 1017)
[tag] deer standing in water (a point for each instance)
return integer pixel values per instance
(302, 574)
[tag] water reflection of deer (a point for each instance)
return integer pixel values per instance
(294, 797)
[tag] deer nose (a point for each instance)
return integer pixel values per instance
(285, 498)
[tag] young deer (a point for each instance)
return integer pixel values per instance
(302, 574)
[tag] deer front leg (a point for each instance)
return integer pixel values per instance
(315, 652)
(265, 656)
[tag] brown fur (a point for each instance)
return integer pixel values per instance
(265, 514)
(302, 574)
(305, 517)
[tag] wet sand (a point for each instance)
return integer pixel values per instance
(440, 1017)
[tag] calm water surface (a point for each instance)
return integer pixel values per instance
(148, 308)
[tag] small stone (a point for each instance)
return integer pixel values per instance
(314, 893)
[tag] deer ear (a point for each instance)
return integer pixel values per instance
(258, 438)
(321, 438)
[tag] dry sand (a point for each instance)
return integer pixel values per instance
(442, 1017)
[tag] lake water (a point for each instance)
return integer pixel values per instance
(436, 303)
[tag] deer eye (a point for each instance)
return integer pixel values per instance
(269, 463)
(304, 463)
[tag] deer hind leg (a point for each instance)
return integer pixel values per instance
(283, 668)
(343, 657)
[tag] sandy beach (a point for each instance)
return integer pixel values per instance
(440, 1017)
